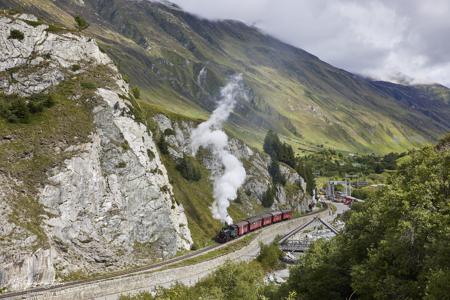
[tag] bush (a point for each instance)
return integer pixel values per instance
(150, 154)
(189, 169)
(38, 102)
(136, 92)
(121, 165)
(16, 35)
(88, 85)
(162, 145)
(269, 256)
(81, 23)
(169, 131)
(14, 109)
(275, 173)
(75, 68)
(269, 197)
(17, 109)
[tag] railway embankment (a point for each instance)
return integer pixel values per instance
(162, 276)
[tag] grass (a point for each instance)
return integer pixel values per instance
(196, 198)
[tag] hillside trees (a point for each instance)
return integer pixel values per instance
(305, 170)
(277, 150)
(283, 152)
(393, 247)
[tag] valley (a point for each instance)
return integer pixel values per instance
(133, 132)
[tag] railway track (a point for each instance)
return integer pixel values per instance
(30, 293)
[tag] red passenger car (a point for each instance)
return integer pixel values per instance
(266, 219)
(277, 216)
(242, 228)
(254, 223)
(286, 214)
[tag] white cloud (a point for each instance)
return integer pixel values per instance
(379, 38)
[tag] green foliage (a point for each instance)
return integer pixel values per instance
(331, 163)
(269, 196)
(162, 145)
(150, 154)
(17, 109)
(393, 247)
(121, 165)
(75, 67)
(14, 109)
(269, 256)
(169, 131)
(275, 173)
(277, 150)
(88, 85)
(196, 198)
(55, 28)
(233, 281)
(304, 170)
(125, 146)
(189, 168)
(81, 23)
(136, 92)
(139, 296)
(16, 35)
(38, 102)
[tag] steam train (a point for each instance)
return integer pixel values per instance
(233, 231)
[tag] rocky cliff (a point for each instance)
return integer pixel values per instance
(99, 198)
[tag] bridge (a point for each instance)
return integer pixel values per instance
(301, 238)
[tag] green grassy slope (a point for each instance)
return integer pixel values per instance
(307, 101)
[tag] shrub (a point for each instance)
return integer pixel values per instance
(81, 23)
(19, 111)
(38, 102)
(189, 169)
(125, 146)
(275, 173)
(88, 85)
(150, 154)
(162, 145)
(121, 165)
(75, 68)
(16, 35)
(269, 196)
(136, 92)
(269, 256)
(169, 131)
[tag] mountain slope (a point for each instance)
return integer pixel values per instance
(180, 61)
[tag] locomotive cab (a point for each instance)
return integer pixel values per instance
(227, 233)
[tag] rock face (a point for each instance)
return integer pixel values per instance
(107, 202)
(43, 54)
(177, 136)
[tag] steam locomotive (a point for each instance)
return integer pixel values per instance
(233, 231)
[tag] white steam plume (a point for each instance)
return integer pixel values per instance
(209, 134)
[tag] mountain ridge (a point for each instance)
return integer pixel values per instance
(307, 101)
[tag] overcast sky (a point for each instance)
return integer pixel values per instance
(393, 40)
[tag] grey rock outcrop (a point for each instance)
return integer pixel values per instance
(37, 61)
(110, 198)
